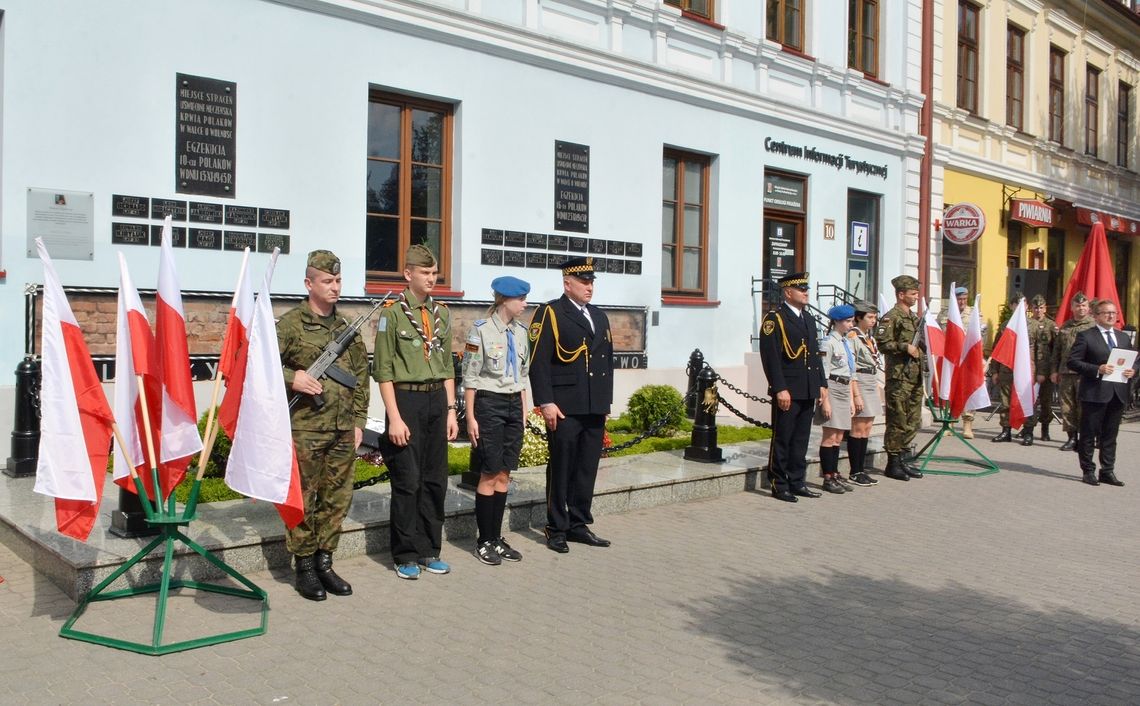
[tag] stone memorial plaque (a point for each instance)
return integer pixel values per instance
(615, 247)
(579, 244)
(241, 216)
(514, 239)
(633, 249)
(514, 258)
(633, 267)
(177, 236)
(205, 142)
(129, 234)
(599, 264)
(492, 236)
(64, 220)
(557, 242)
(129, 206)
(161, 208)
(267, 241)
(555, 261)
(598, 246)
(536, 259)
(201, 212)
(489, 256)
(273, 218)
(571, 187)
(615, 266)
(205, 239)
(239, 240)
(536, 241)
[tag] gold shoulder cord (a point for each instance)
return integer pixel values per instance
(564, 355)
(792, 355)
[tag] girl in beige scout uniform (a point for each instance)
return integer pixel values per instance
(842, 390)
(495, 369)
(867, 366)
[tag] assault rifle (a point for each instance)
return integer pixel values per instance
(325, 365)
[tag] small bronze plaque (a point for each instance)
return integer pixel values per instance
(633, 249)
(201, 212)
(129, 234)
(267, 241)
(492, 236)
(489, 256)
(578, 244)
(515, 239)
(536, 259)
(205, 239)
(536, 241)
(514, 258)
(161, 208)
(177, 236)
(241, 216)
(615, 266)
(273, 218)
(633, 267)
(598, 246)
(239, 240)
(616, 247)
(130, 206)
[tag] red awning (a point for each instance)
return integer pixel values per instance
(1112, 222)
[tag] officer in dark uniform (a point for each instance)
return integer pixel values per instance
(571, 379)
(789, 351)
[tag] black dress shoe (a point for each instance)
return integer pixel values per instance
(1090, 478)
(1070, 444)
(584, 535)
(557, 544)
(1111, 479)
(1027, 440)
(805, 492)
(785, 495)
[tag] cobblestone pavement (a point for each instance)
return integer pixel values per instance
(1010, 589)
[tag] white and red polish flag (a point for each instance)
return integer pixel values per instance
(72, 407)
(263, 461)
(969, 391)
(180, 438)
(935, 347)
(1012, 351)
(235, 349)
(952, 356)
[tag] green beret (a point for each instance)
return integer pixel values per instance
(1037, 300)
(324, 261)
(903, 283)
(419, 256)
(1080, 298)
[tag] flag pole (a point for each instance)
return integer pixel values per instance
(158, 496)
(139, 488)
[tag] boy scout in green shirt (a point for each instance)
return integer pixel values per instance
(413, 365)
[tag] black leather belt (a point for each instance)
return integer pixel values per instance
(419, 386)
(839, 379)
(864, 370)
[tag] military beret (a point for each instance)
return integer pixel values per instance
(903, 283)
(580, 267)
(324, 261)
(509, 286)
(1080, 298)
(960, 290)
(419, 256)
(841, 312)
(1037, 300)
(799, 280)
(862, 306)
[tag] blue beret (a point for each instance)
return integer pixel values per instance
(510, 286)
(961, 290)
(841, 312)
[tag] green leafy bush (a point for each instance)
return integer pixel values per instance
(216, 466)
(651, 404)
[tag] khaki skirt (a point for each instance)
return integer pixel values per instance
(869, 390)
(841, 407)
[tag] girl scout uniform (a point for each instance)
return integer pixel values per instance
(867, 364)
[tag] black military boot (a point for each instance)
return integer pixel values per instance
(308, 585)
(1071, 443)
(1045, 432)
(907, 460)
(1026, 436)
(895, 468)
(1005, 435)
(328, 578)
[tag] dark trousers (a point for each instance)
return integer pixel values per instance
(1099, 424)
(787, 462)
(575, 448)
(419, 476)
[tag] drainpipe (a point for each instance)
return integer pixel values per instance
(926, 129)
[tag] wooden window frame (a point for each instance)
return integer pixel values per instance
(382, 281)
(1123, 123)
(679, 292)
(967, 98)
(1092, 110)
(859, 35)
(686, 7)
(779, 34)
(1015, 77)
(1056, 90)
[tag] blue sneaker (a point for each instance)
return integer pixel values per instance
(433, 565)
(407, 571)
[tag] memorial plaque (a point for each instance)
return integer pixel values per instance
(267, 241)
(161, 208)
(239, 240)
(241, 216)
(129, 234)
(633, 249)
(514, 258)
(579, 244)
(273, 218)
(488, 256)
(536, 241)
(555, 261)
(616, 247)
(205, 239)
(558, 242)
(492, 236)
(177, 236)
(515, 239)
(536, 259)
(599, 264)
(598, 246)
(571, 187)
(615, 266)
(129, 206)
(201, 212)
(205, 144)
(633, 267)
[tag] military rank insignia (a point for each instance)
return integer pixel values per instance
(768, 328)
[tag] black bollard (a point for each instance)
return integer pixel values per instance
(129, 520)
(26, 427)
(703, 447)
(696, 365)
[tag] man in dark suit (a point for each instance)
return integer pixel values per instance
(789, 351)
(571, 379)
(1102, 403)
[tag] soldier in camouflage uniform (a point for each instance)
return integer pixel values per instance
(897, 337)
(1003, 378)
(1042, 332)
(1065, 379)
(325, 435)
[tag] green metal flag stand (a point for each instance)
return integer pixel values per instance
(926, 454)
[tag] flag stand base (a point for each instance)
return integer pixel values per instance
(170, 535)
(983, 465)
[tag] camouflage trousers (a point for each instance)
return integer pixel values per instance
(1045, 403)
(904, 413)
(1070, 406)
(326, 461)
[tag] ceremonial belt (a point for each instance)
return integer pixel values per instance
(864, 370)
(839, 379)
(430, 386)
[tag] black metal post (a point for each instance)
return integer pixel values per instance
(129, 520)
(696, 365)
(703, 446)
(26, 425)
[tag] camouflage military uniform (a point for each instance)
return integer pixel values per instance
(1042, 333)
(325, 437)
(896, 331)
(1067, 380)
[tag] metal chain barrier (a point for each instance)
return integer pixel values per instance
(652, 430)
(727, 405)
(381, 477)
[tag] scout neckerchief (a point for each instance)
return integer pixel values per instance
(431, 342)
(512, 352)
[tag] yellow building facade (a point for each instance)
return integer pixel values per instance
(1036, 101)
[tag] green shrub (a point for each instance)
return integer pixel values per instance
(216, 466)
(652, 404)
(534, 452)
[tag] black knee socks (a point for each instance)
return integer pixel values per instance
(485, 516)
(828, 460)
(857, 454)
(500, 508)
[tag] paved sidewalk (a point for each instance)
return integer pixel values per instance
(1016, 588)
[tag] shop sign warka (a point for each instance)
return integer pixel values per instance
(1031, 212)
(963, 223)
